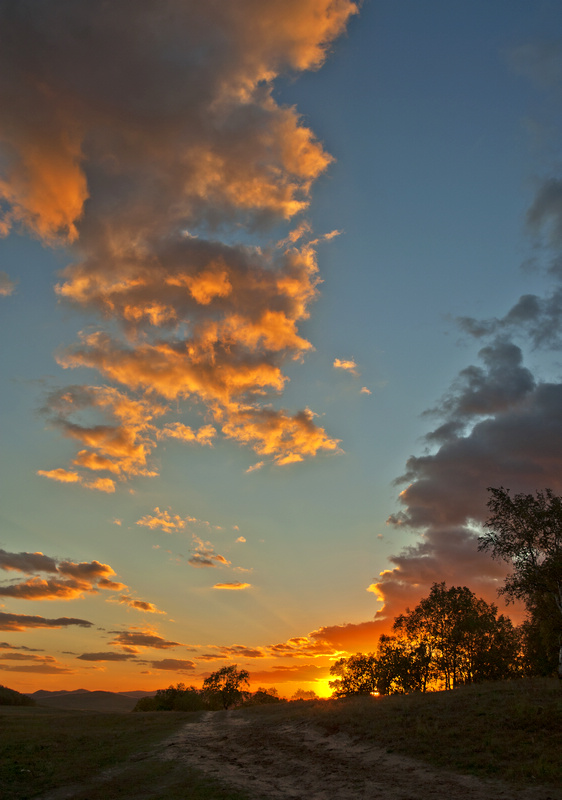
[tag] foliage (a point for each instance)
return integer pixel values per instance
(458, 638)
(262, 697)
(9, 697)
(174, 698)
(304, 694)
(450, 638)
(526, 531)
(357, 675)
(223, 687)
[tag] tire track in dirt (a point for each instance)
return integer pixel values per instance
(296, 761)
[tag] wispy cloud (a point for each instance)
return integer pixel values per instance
(21, 622)
(7, 286)
(133, 639)
(235, 585)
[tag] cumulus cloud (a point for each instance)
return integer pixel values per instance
(163, 520)
(235, 585)
(204, 555)
(7, 286)
(174, 133)
(347, 364)
(21, 622)
(365, 390)
(498, 425)
(69, 579)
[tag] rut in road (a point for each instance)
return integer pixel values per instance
(296, 761)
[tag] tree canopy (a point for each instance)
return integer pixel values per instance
(450, 638)
(526, 531)
(224, 685)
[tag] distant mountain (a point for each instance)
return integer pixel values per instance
(106, 702)
(46, 693)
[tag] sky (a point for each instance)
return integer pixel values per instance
(280, 298)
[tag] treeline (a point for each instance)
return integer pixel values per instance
(449, 639)
(189, 698)
(9, 697)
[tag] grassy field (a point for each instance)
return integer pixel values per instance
(42, 749)
(510, 730)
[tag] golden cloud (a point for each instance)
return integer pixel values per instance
(207, 148)
(235, 585)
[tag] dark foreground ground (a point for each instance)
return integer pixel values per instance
(501, 741)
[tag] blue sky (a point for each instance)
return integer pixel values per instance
(443, 122)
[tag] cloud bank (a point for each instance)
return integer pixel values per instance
(145, 136)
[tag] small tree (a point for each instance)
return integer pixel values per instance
(305, 694)
(526, 531)
(223, 686)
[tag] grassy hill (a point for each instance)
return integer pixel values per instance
(9, 697)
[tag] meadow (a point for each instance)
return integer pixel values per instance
(510, 731)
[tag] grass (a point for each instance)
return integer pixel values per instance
(42, 749)
(511, 730)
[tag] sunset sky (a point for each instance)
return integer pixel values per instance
(280, 297)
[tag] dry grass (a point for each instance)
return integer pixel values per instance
(510, 730)
(42, 749)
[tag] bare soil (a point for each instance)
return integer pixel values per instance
(296, 761)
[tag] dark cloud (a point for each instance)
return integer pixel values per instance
(27, 562)
(111, 656)
(173, 664)
(130, 640)
(21, 622)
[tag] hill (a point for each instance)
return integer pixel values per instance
(9, 697)
(106, 702)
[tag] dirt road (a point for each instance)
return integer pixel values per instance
(295, 761)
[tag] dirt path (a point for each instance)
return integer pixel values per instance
(298, 762)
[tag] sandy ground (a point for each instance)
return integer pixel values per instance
(299, 762)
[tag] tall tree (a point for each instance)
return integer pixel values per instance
(458, 638)
(224, 685)
(526, 531)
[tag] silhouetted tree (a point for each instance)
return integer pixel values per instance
(305, 694)
(450, 638)
(526, 531)
(356, 675)
(460, 637)
(223, 686)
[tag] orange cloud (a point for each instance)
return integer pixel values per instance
(139, 605)
(236, 585)
(346, 364)
(163, 520)
(208, 148)
(175, 430)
